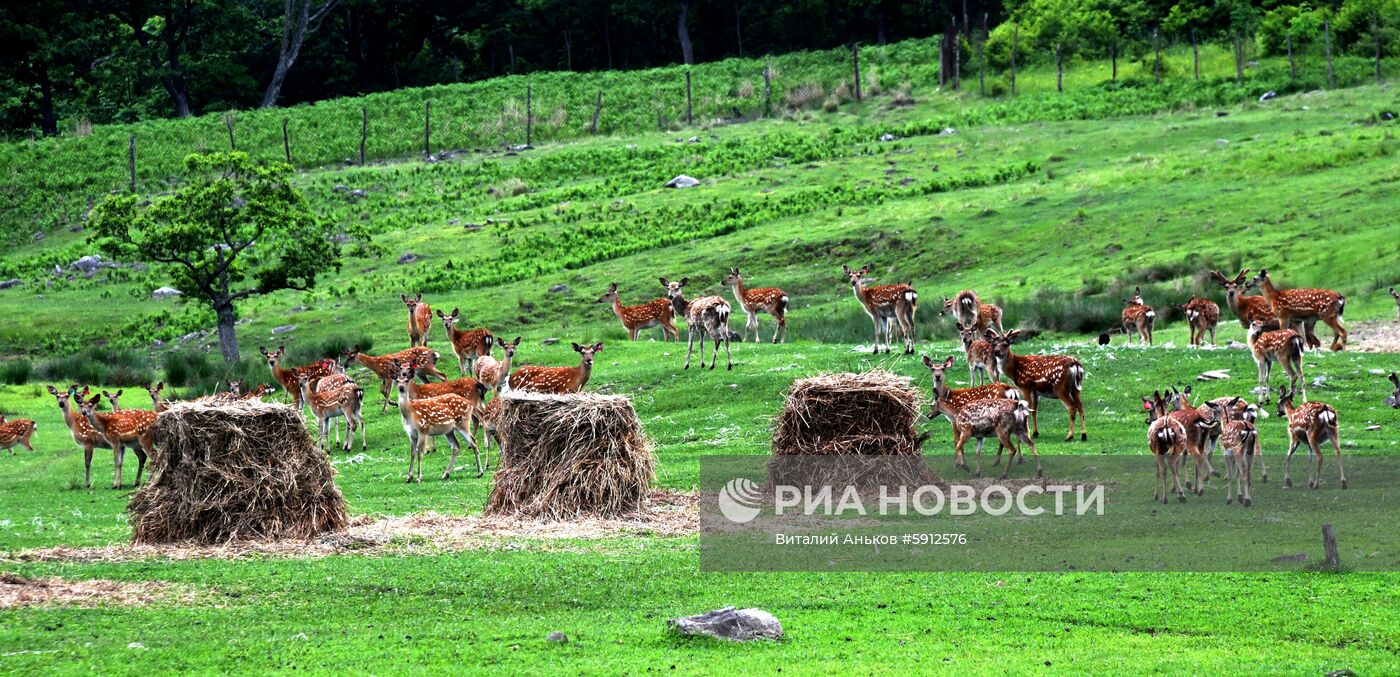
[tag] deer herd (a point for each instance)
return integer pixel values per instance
(1002, 401)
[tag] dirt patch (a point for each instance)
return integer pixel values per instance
(18, 591)
(1373, 337)
(663, 513)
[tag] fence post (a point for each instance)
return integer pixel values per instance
(427, 126)
(1376, 35)
(1015, 33)
(529, 115)
(1195, 56)
(597, 110)
(1329, 546)
(1059, 71)
(1113, 57)
(364, 133)
(855, 66)
(957, 58)
(1327, 44)
(1292, 67)
(1157, 61)
(286, 142)
(982, 59)
(767, 89)
(131, 161)
(689, 119)
(1239, 59)
(228, 122)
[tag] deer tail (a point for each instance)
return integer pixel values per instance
(911, 297)
(1076, 372)
(782, 304)
(1328, 418)
(1341, 305)
(1295, 349)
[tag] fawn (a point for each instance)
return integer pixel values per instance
(981, 365)
(442, 415)
(969, 311)
(1139, 317)
(468, 345)
(1202, 315)
(16, 433)
(557, 380)
(1239, 440)
(705, 315)
(886, 305)
(1283, 346)
(1305, 307)
(425, 358)
(83, 434)
(769, 300)
(952, 401)
(133, 428)
(290, 379)
(329, 404)
(654, 313)
(1246, 308)
(496, 375)
(420, 320)
(1311, 423)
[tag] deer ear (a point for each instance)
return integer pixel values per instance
(1393, 379)
(664, 283)
(456, 312)
(403, 298)
(845, 269)
(948, 362)
(578, 348)
(612, 287)
(119, 393)
(927, 362)
(419, 298)
(262, 350)
(439, 313)
(598, 348)
(516, 342)
(684, 281)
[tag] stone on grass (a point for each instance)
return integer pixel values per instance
(6, 284)
(558, 637)
(559, 289)
(283, 329)
(737, 625)
(683, 181)
(165, 292)
(408, 257)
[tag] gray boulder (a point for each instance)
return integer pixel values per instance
(165, 292)
(737, 625)
(6, 284)
(559, 289)
(90, 264)
(283, 329)
(557, 637)
(683, 181)
(410, 257)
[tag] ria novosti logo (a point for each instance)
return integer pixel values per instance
(740, 500)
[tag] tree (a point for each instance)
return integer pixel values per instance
(298, 21)
(235, 230)
(49, 48)
(687, 51)
(162, 28)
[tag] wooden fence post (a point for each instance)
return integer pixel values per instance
(767, 89)
(982, 58)
(286, 142)
(228, 122)
(1329, 547)
(1292, 67)
(364, 133)
(1059, 71)
(131, 161)
(1015, 33)
(597, 110)
(427, 126)
(1327, 44)
(1239, 59)
(1113, 57)
(855, 66)
(529, 115)
(689, 118)
(1195, 56)
(1157, 62)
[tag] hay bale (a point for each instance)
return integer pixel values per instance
(564, 456)
(245, 470)
(848, 418)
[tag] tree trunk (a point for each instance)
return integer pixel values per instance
(50, 119)
(687, 50)
(881, 35)
(174, 80)
(738, 29)
(298, 21)
(607, 41)
(568, 51)
(228, 340)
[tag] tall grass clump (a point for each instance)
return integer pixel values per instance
(103, 365)
(15, 372)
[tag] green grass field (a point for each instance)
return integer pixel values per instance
(1054, 216)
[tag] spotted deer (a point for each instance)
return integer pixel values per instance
(1138, 317)
(290, 379)
(434, 416)
(1394, 399)
(425, 358)
(949, 401)
(887, 305)
(112, 399)
(344, 401)
(496, 375)
(1305, 307)
(1237, 409)
(420, 319)
(1310, 423)
(707, 315)
(83, 434)
(468, 345)
(16, 433)
(999, 418)
(1186, 429)
(1202, 315)
(1395, 295)
(1246, 308)
(1167, 441)
(654, 313)
(466, 387)
(158, 404)
(753, 302)
(134, 428)
(1058, 376)
(980, 364)
(263, 390)
(1239, 440)
(969, 311)
(1282, 346)
(557, 380)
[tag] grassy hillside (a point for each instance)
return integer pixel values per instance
(1052, 206)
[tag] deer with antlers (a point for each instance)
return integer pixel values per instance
(753, 302)
(705, 315)
(1138, 317)
(16, 433)
(420, 319)
(887, 305)
(433, 416)
(345, 401)
(969, 311)
(1305, 307)
(83, 434)
(1310, 423)
(1202, 315)
(134, 428)
(1282, 346)
(1058, 376)
(380, 366)
(468, 345)
(1246, 308)
(290, 379)
(653, 313)
(557, 380)
(496, 375)
(981, 367)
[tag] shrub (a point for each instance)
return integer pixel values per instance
(15, 372)
(99, 365)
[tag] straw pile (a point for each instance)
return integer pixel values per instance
(565, 456)
(846, 419)
(239, 471)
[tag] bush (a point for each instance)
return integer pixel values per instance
(15, 372)
(201, 373)
(99, 365)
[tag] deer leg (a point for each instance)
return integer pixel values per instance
(1027, 441)
(782, 326)
(456, 449)
(144, 449)
(412, 452)
(1230, 475)
(1339, 339)
(690, 345)
(1314, 461)
(1261, 390)
(87, 465)
(118, 455)
(384, 392)
(1034, 399)
(1295, 376)
(1159, 484)
(1288, 460)
(1336, 446)
(1068, 401)
(1176, 478)
(959, 441)
(1212, 335)
(978, 458)
(1005, 438)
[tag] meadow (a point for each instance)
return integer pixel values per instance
(1054, 207)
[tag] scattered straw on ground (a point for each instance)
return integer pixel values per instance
(1368, 337)
(18, 591)
(663, 513)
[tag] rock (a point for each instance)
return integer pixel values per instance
(888, 137)
(948, 130)
(299, 309)
(340, 188)
(1236, 345)
(1387, 115)
(1268, 95)
(693, 139)
(409, 257)
(1221, 113)
(90, 264)
(358, 192)
(454, 222)
(190, 337)
(165, 292)
(283, 329)
(1222, 142)
(519, 147)
(157, 343)
(557, 637)
(340, 238)
(559, 289)
(549, 341)
(741, 625)
(430, 159)
(6, 284)
(683, 181)
(39, 235)
(1214, 375)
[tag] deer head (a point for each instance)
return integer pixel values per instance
(610, 296)
(273, 357)
(732, 278)
(449, 320)
(855, 276)
(938, 370)
(412, 303)
(510, 347)
(1136, 299)
(1285, 401)
(587, 353)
